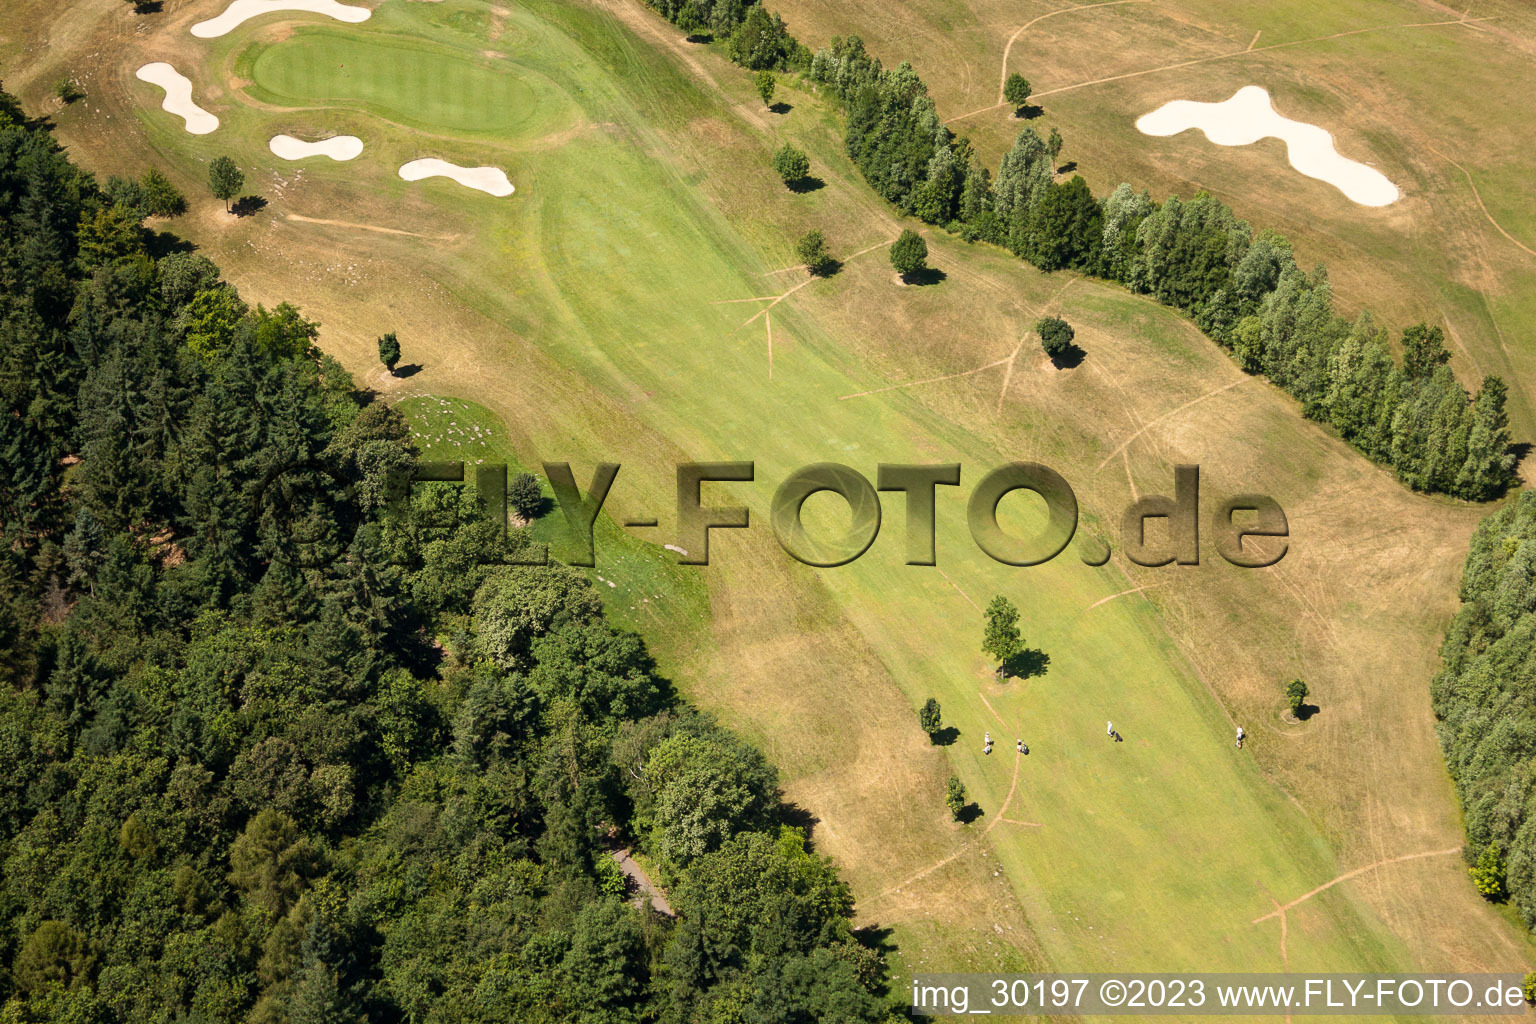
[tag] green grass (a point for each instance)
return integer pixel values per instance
(592, 317)
(423, 86)
(1127, 821)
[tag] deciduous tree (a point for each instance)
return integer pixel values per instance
(1055, 335)
(766, 83)
(791, 164)
(955, 797)
(1001, 638)
(1488, 873)
(909, 253)
(931, 716)
(225, 180)
(811, 250)
(1016, 90)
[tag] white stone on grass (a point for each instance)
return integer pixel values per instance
(1249, 116)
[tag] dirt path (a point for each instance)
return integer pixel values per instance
(643, 883)
(300, 218)
(1171, 412)
(1257, 49)
(1480, 204)
(1280, 910)
(1002, 78)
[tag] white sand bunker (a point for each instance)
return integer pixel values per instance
(1250, 116)
(487, 179)
(241, 11)
(178, 96)
(340, 147)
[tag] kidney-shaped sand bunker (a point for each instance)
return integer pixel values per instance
(1249, 116)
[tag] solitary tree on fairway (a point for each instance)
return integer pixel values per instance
(1016, 90)
(791, 164)
(1055, 335)
(525, 496)
(931, 717)
(225, 180)
(765, 85)
(1001, 638)
(909, 253)
(812, 251)
(389, 351)
(1054, 143)
(1296, 694)
(955, 797)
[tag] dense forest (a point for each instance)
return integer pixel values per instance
(1243, 288)
(283, 743)
(1485, 698)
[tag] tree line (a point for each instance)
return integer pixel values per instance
(1243, 288)
(1485, 700)
(282, 744)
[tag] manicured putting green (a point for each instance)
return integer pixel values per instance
(406, 81)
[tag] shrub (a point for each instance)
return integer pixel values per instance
(389, 351)
(525, 496)
(1296, 694)
(955, 797)
(931, 717)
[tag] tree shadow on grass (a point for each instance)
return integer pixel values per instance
(248, 206)
(1069, 359)
(792, 814)
(829, 269)
(781, 108)
(969, 813)
(944, 737)
(1028, 112)
(1067, 168)
(1520, 450)
(874, 937)
(162, 243)
(408, 370)
(148, 7)
(1305, 711)
(928, 275)
(809, 183)
(1026, 664)
(699, 37)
